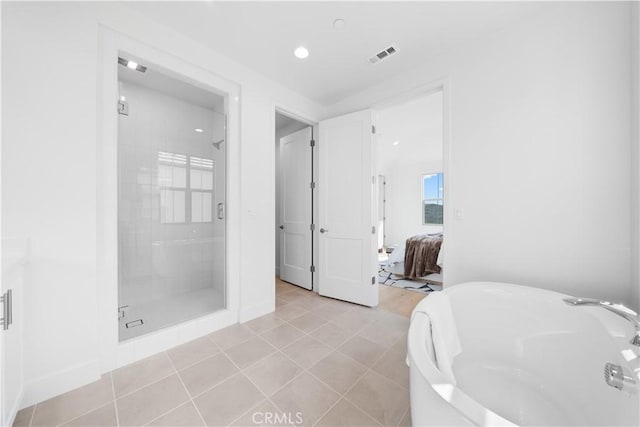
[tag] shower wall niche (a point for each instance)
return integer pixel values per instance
(171, 201)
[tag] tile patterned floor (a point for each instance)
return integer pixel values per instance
(315, 361)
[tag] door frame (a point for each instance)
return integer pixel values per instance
(302, 117)
(443, 85)
(112, 353)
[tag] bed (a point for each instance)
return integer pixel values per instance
(420, 258)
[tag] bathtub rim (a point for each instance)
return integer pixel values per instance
(419, 338)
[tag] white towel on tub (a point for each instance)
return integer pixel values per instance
(446, 343)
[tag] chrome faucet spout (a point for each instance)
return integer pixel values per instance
(618, 309)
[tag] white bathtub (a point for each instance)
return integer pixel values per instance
(527, 358)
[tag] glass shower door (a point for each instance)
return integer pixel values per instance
(171, 222)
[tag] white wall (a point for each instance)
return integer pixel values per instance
(49, 174)
(281, 133)
(540, 146)
(417, 127)
(635, 156)
(404, 203)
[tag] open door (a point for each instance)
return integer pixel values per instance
(347, 193)
(296, 211)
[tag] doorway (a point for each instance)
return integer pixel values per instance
(295, 184)
(349, 241)
(410, 151)
(171, 199)
(115, 349)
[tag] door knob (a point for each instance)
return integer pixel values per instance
(324, 230)
(282, 227)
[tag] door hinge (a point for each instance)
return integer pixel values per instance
(373, 280)
(312, 185)
(373, 230)
(312, 227)
(312, 269)
(121, 313)
(312, 143)
(123, 108)
(373, 129)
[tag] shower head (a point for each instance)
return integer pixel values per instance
(217, 144)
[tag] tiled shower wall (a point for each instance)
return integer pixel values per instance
(170, 182)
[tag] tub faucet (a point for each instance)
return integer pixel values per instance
(614, 376)
(618, 309)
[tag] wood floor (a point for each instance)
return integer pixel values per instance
(394, 300)
(397, 300)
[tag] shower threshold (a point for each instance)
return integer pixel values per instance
(169, 311)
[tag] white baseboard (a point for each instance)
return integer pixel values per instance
(257, 310)
(136, 349)
(43, 388)
(10, 413)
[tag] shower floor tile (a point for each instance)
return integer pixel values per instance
(162, 312)
(255, 383)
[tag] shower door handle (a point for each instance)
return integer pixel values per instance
(220, 210)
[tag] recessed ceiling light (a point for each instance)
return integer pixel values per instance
(339, 24)
(396, 142)
(198, 130)
(301, 52)
(132, 65)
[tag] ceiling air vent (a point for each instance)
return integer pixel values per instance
(383, 54)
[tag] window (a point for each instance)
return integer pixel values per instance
(186, 188)
(172, 180)
(432, 198)
(201, 189)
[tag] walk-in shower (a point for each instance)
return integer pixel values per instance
(171, 200)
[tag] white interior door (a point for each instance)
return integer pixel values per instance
(381, 202)
(347, 214)
(295, 230)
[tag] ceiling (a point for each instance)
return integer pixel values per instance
(410, 133)
(154, 78)
(283, 121)
(263, 35)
